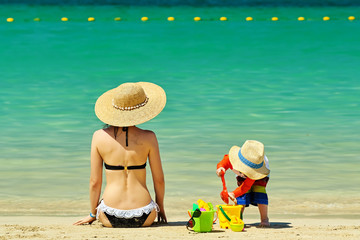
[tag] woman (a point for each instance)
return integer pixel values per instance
(123, 149)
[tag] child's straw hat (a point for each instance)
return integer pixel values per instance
(249, 159)
(130, 104)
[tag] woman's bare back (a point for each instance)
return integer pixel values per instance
(125, 189)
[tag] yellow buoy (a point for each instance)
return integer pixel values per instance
(326, 18)
(301, 18)
(249, 19)
(170, 19)
(196, 19)
(351, 18)
(117, 19)
(144, 19)
(36, 19)
(64, 19)
(223, 19)
(274, 18)
(9, 19)
(91, 19)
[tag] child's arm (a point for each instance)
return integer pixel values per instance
(243, 188)
(223, 165)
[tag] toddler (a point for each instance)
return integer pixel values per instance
(251, 166)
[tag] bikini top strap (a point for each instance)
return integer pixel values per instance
(124, 129)
(119, 167)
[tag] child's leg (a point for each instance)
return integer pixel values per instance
(259, 197)
(242, 211)
(243, 200)
(263, 209)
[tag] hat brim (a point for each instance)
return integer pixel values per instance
(238, 165)
(105, 111)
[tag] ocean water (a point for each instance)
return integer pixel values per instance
(292, 85)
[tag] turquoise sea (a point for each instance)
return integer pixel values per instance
(294, 85)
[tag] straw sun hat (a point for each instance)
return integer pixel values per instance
(249, 159)
(130, 104)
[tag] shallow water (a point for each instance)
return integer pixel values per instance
(292, 85)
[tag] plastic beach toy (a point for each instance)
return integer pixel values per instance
(201, 217)
(203, 205)
(224, 194)
(236, 224)
(195, 206)
(211, 207)
(204, 222)
(228, 212)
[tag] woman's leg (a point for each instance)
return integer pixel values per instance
(150, 219)
(104, 220)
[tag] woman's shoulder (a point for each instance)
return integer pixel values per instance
(101, 133)
(145, 132)
(147, 135)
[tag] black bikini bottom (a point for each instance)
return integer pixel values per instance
(127, 222)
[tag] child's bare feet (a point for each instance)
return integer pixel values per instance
(264, 223)
(263, 209)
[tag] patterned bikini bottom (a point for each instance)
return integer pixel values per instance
(127, 218)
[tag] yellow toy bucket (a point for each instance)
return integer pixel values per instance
(230, 210)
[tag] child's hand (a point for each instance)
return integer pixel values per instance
(219, 170)
(232, 197)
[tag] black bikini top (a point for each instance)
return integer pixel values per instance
(119, 167)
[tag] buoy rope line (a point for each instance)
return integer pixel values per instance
(196, 19)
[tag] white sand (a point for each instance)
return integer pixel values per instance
(61, 228)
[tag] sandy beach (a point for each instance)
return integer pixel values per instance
(62, 228)
(292, 85)
(288, 221)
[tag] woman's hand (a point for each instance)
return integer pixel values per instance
(162, 217)
(232, 197)
(219, 171)
(85, 220)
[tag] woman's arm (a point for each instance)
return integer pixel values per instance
(95, 175)
(158, 176)
(95, 181)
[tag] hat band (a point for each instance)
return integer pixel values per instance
(248, 163)
(132, 107)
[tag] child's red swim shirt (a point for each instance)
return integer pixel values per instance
(245, 186)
